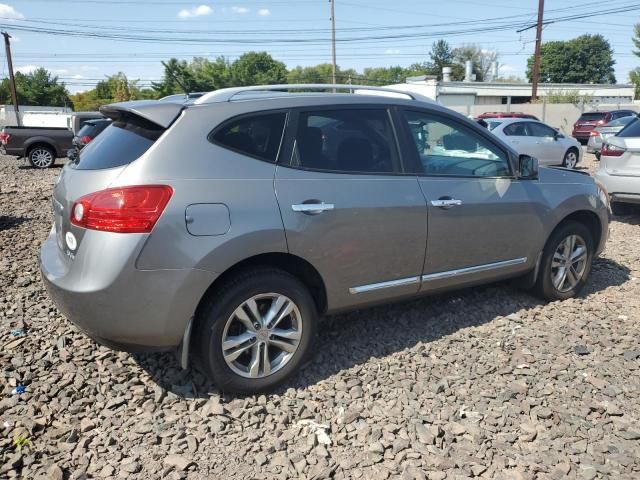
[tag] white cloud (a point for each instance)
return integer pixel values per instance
(78, 77)
(240, 9)
(195, 11)
(392, 51)
(60, 71)
(506, 68)
(264, 12)
(7, 12)
(26, 69)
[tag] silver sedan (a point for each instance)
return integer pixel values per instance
(600, 134)
(539, 140)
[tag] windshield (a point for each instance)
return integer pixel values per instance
(87, 129)
(591, 117)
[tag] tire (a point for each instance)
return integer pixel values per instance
(598, 156)
(570, 158)
(41, 156)
(226, 316)
(549, 269)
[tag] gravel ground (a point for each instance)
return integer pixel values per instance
(487, 383)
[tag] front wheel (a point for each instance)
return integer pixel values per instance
(566, 262)
(41, 157)
(570, 158)
(256, 332)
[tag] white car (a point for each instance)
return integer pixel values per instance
(539, 140)
(619, 168)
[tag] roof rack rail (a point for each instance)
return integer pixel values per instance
(227, 94)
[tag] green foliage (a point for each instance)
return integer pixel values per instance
(585, 59)
(481, 58)
(257, 68)
(36, 88)
(634, 75)
(114, 88)
(563, 96)
(21, 442)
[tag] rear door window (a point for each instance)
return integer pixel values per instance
(346, 141)
(631, 130)
(256, 135)
(119, 144)
(517, 129)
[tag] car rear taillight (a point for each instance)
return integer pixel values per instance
(4, 138)
(122, 210)
(612, 150)
(86, 139)
(594, 133)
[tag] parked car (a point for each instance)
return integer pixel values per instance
(530, 137)
(78, 119)
(40, 145)
(590, 120)
(600, 134)
(506, 115)
(619, 168)
(87, 133)
(289, 207)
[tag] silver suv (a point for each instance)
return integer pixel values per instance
(228, 226)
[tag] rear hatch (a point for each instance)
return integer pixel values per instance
(588, 121)
(133, 131)
(627, 163)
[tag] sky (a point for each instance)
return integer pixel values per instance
(82, 41)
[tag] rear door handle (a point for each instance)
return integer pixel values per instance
(312, 208)
(446, 203)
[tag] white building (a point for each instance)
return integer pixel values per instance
(499, 93)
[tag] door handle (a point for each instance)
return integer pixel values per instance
(312, 208)
(446, 203)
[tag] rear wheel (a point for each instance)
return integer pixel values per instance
(256, 331)
(566, 262)
(570, 158)
(41, 157)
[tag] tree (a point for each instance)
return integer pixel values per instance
(634, 75)
(36, 88)
(257, 68)
(441, 56)
(114, 88)
(482, 60)
(585, 59)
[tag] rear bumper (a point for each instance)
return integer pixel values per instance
(623, 189)
(14, 152)
(593, 145)
(115, 303)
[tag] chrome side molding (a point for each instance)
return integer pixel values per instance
(478, 268)
(437, 276)
(391, 283)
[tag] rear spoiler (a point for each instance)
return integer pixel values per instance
(160, 113)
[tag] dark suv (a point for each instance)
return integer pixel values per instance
(590, 120)
(90, 130)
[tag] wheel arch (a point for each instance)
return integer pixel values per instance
(292, 264)
(40, 143)
(589, 219)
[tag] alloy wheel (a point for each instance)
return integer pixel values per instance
(262, 335)
(570, 159)
(569, 263)
(41, 158)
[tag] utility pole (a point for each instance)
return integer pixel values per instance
(536, 55)
(12, 79)
(333, 44)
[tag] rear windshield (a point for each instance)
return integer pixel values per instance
(620, 121)
(590, 117)
(631, 130)
(119, 144)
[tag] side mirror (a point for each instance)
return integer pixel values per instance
(527, 167)
(557, 135)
